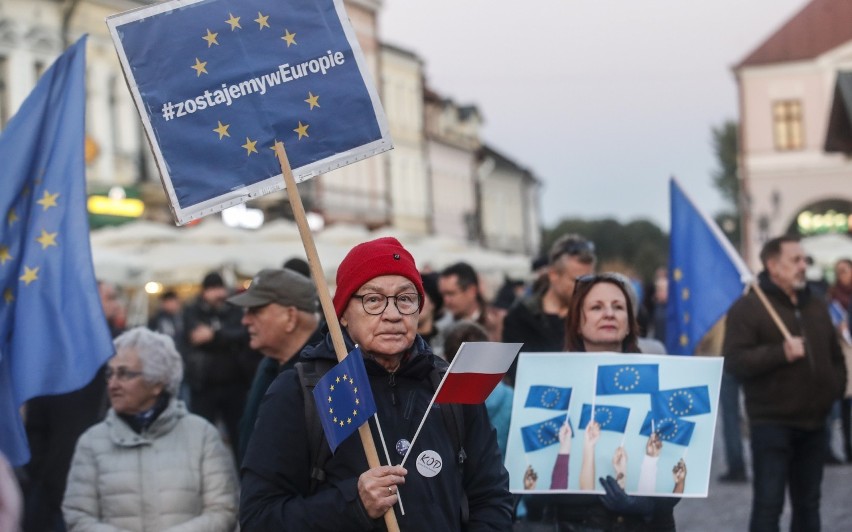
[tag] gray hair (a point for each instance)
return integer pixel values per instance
(161, 363)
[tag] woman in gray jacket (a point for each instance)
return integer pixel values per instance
(150, 465)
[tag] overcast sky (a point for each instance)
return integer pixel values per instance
(602, 99)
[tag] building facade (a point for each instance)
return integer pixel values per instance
(795, 140)
(402, 97)
(508, 204)
(452, 145)
(435, 181)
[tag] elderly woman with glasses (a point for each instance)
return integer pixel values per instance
(150, 465)
(286, 487)
(602, 319)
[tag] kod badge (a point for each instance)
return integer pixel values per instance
(402, 446)
(429, 463)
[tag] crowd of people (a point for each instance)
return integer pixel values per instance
(204, 419)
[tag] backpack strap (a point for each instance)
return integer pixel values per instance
(310, 372)
(453, 416)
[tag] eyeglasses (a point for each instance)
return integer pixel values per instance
(574, 248)
(122, 374)
(375, 304)
(593, 278)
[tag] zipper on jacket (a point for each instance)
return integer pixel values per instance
(392, 384)
(808, 353)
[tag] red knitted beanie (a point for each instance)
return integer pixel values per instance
(383, 256)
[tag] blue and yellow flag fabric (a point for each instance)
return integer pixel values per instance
(218, 82)
(344, 399)
(53, 335)
(549, 397)
(706, 275)
(628, 378)
(680, 402)
(609, 417)
(669, 429)
(544, 434)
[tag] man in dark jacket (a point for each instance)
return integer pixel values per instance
(538, 320)
(378, 298)
(217, 357)
(280, 314)
(789, 385)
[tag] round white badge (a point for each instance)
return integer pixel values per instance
(429, 463)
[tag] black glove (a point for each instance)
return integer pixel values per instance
(616, 500)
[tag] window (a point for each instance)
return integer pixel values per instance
(787, 125)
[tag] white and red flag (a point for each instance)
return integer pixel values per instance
(475, 371)
(472, 376)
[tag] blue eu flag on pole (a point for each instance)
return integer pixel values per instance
(628, 378)
(706, 275)
(680, 402)
(53, 335)
(669, 429)
(550, 397)
(344, 399)
(543, 434)
(609, 417)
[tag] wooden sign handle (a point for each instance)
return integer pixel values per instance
(326, 303)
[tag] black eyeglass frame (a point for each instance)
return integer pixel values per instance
(387, 299)
(574, 248)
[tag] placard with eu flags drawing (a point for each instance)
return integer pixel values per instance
(218, 82)
(344, 399)
(631, 395)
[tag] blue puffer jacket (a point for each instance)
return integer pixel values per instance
(276, 470)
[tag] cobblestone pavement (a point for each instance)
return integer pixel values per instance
(729, 505)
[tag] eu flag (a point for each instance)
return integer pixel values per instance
(706, 274)
(681, 402)
(53, 335)
(550, 397)
(217, 82)
(609, 417)
(344, 399)
(544, 434)
(628, 378)
(670, 429)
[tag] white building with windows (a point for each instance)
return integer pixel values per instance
(795, 97)
(402, 98)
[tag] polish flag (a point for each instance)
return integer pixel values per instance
(475, 372)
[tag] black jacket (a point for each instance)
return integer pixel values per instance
(797, 394)
(219, 361)
(276, 469)
(527, 323)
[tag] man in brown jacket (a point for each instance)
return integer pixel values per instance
(789, 385)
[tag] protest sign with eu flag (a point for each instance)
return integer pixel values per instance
(609, 417)
(53, 335)
(669, 429)
(628, 378)
(681, 402)
(218, 82)
(543, 434)
(344, 399)
(550, 397)
(706, 274)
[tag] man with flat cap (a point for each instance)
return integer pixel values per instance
(280, 313)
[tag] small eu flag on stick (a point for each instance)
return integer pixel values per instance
(344, 399)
